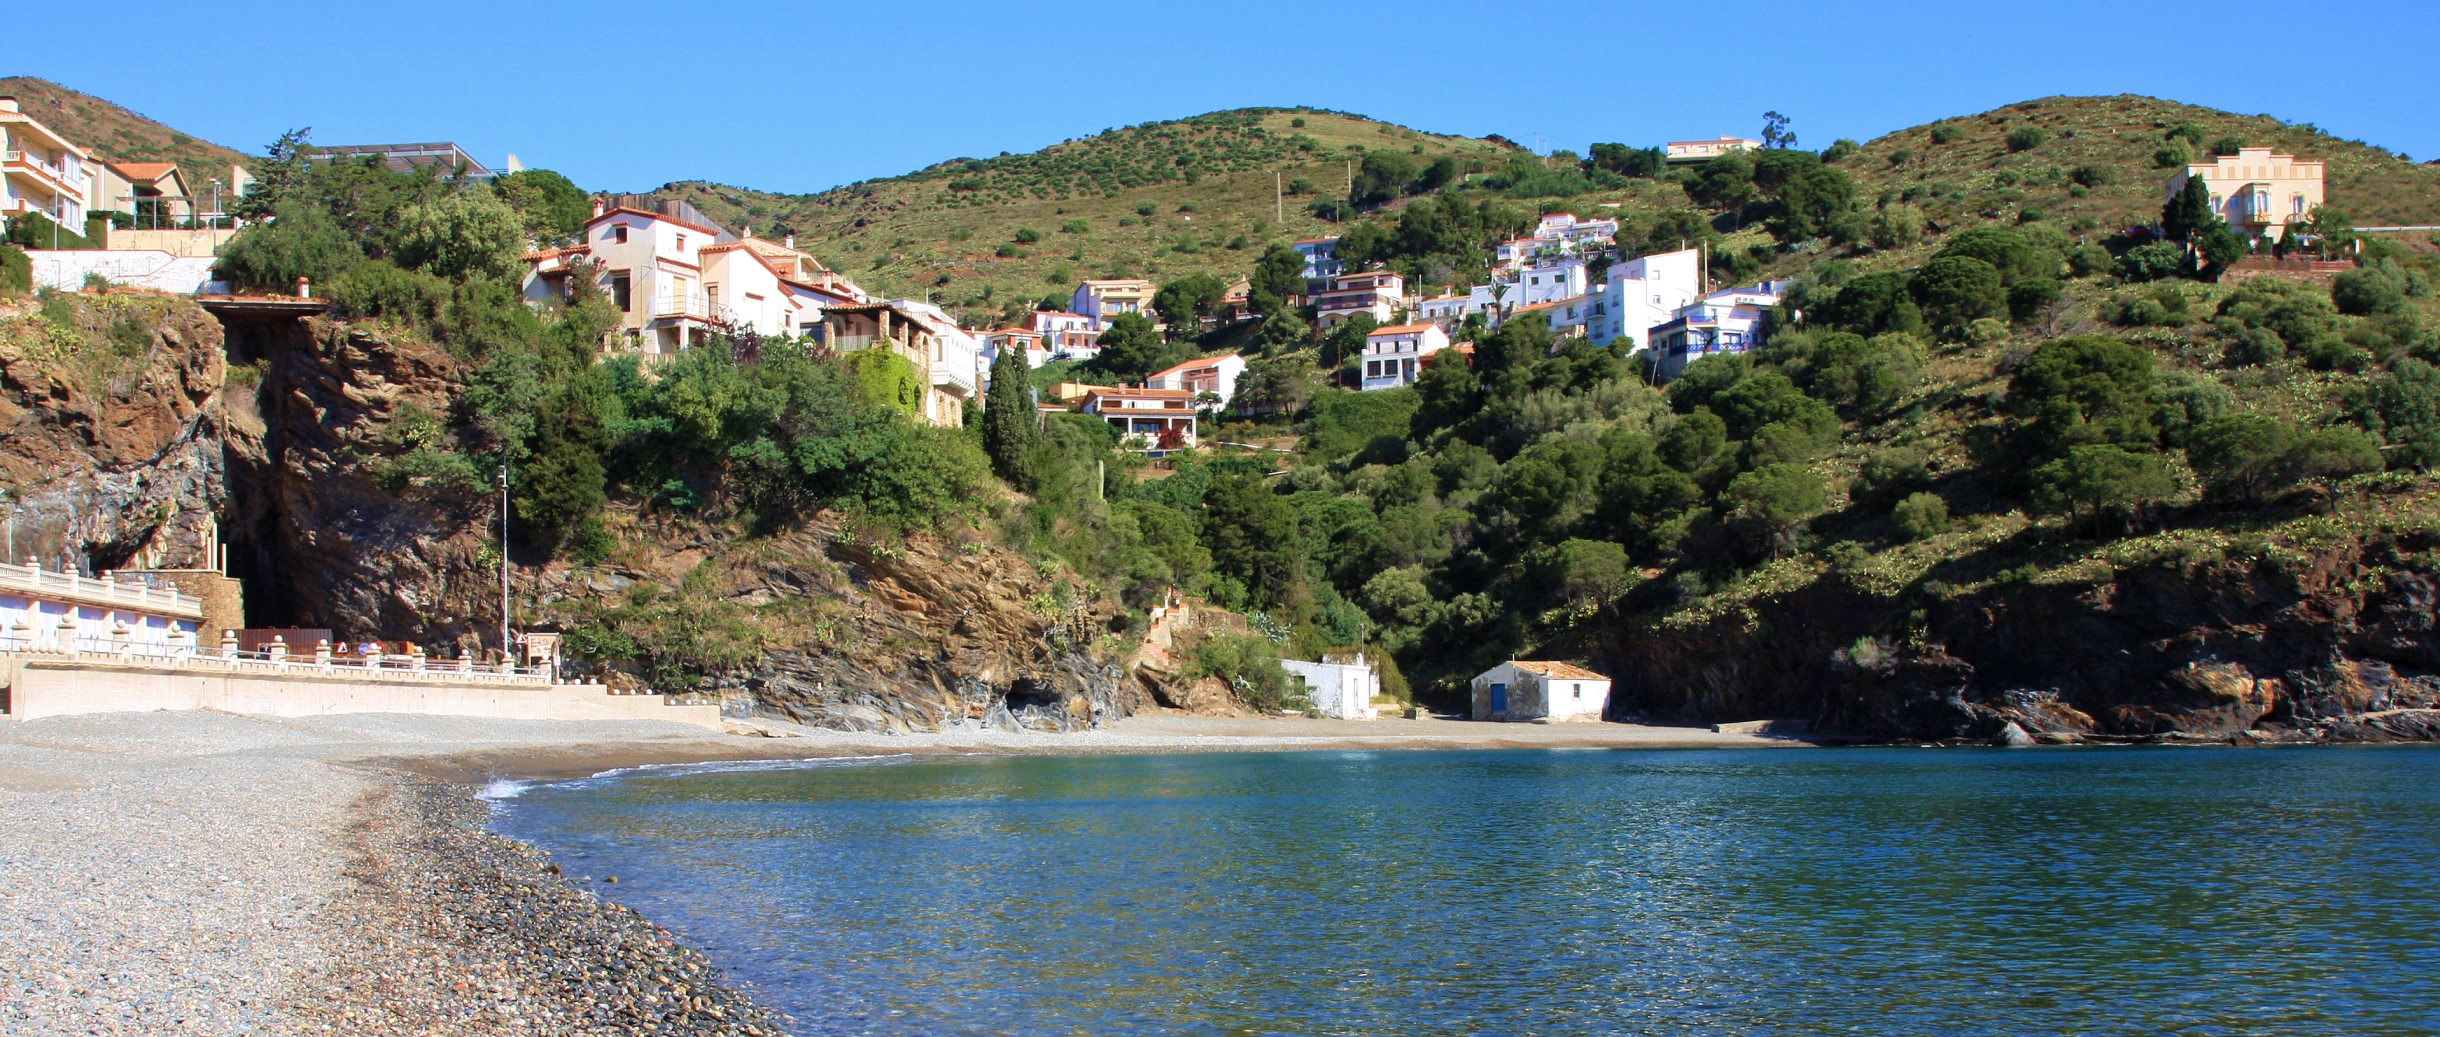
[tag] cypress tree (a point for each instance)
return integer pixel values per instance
(2190, 211)
(1008, 416)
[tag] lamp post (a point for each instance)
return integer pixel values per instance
(507, 654)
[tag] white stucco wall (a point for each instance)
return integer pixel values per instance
(65, 269)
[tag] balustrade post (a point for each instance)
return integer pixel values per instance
(21, 636)
(321, 653)
(67, 631)
(277, 650)
(415, 658)
(228, 645)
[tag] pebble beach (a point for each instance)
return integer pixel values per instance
(204, 873)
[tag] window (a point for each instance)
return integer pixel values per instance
(2296, 204)
(619, 288)
(1580, 691)
(619, 233)
(681, 242)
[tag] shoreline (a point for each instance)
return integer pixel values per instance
(213, 872)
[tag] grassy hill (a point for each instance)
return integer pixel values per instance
(1157, 200)
(2096, 166)
(115, 133)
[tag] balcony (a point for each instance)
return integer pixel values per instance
(692, 306)
(60, 177)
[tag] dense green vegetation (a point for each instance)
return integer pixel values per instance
(757, 440)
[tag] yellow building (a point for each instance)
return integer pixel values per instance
(2256, 191)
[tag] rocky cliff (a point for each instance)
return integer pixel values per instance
(2329, 643)
(825, 623)
(110, 409)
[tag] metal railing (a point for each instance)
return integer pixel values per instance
(691, 307)
(108, 590)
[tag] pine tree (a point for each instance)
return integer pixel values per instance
(2190, 211)
(1009, 417)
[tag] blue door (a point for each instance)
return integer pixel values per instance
(1499, 698)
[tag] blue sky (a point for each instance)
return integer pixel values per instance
(804, 96)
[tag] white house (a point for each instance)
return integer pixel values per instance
(1341, 686)
(1103, 300)
(957, 365)
(1000, 340)
(650, 263)
(1732, 320)
(1527, 690)
(1646, 291)
(1321, 256)
(1216, 375)
(1393, 356)
(1067, 336)
(1705, 150)
(1445, 310)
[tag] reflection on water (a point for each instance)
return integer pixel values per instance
(1898, 891)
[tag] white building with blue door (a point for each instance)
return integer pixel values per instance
(1522, 689)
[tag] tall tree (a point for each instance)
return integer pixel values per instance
(2190, 211)
(1009, 418)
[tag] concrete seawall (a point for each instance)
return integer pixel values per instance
(58, 687)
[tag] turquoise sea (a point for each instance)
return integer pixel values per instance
(1871, 891)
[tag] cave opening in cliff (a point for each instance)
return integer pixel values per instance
(253, 451)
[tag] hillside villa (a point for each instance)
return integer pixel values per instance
(1531, 690)
(1677, 151)
(1394, 356)
(1732, 320)
(1101, 301)
(2257, 191)
(1216, 375)
(946, 365)
(1163, 419)
(677, 278)
(1321, 257)
(1377, 292)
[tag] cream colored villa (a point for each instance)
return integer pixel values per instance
(2257, 191)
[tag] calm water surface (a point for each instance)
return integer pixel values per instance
(1884, 891)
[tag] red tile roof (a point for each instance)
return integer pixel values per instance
(1561, 670)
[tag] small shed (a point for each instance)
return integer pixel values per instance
(1341, 686)
(1521, 689)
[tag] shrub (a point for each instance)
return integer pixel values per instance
(2089, 175)
(2227, 145)
(1957, 290)
(2153, 262)
(1946, 133)
(380, 289)
(1027, 235)
(462, 234)
(1249, 665)
(2032, 297)
(1146, 209)
(299, 240)
(2259, 346)
(1076, 226)
(1921, 516)
(2368, 291)
(16, 270)
(2026, 138)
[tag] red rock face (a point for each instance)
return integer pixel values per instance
(2218, 650)
(110, 410)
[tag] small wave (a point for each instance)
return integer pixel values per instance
(501, 789)
(732, 766)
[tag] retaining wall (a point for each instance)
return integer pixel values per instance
(43, 688)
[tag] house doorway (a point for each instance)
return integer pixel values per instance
(1499, 699)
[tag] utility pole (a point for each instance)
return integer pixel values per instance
(1279, 199)
(507, 656)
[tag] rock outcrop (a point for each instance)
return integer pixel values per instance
(110, 409)
(2299, 648)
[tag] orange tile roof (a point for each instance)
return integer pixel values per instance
(144, 170)
(1209, 361)
(1400, 329)
(1562, 670)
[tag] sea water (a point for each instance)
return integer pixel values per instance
(1876, 891)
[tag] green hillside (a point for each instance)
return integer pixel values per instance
(1158, 200)
(115, 133)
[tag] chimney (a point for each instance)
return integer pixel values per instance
(9, 104)
(597, 206)
(791, 241)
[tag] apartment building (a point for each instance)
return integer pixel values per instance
(678, 278)
(2258, 191)
(1646, 291)
(41, 171)
(1068, 336)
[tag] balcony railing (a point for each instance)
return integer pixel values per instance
(182, 653)
(34, 580)
(690, 307)
(73, 179)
